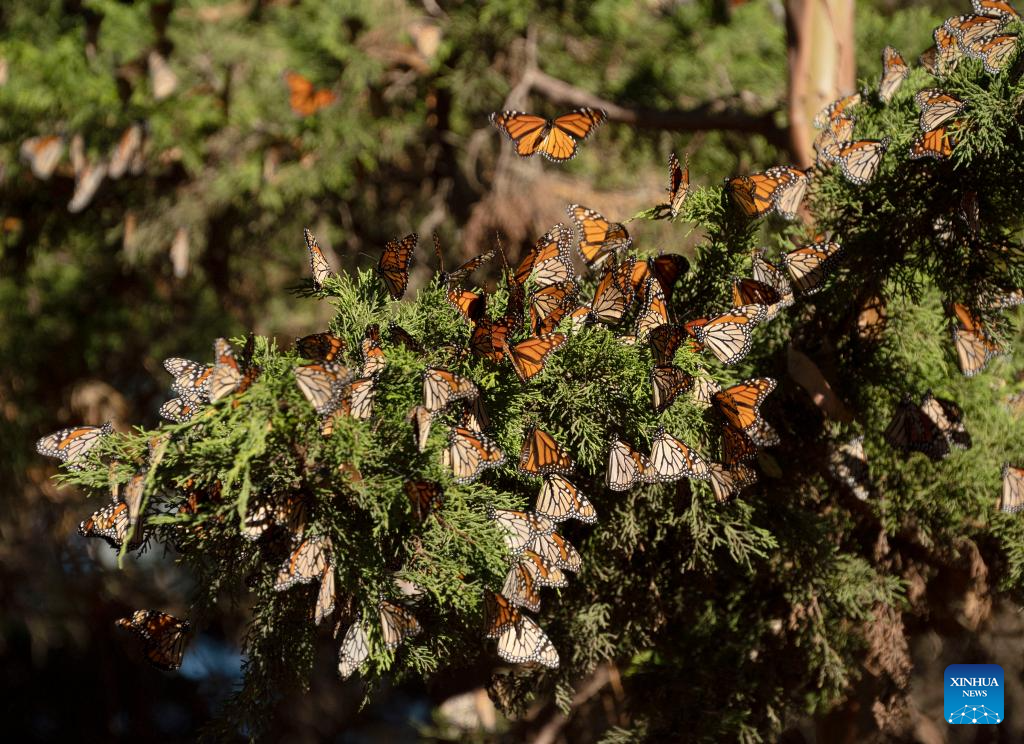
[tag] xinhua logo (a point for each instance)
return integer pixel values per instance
(974, 693)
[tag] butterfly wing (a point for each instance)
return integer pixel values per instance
(318, 264)
(667, 383)
(599, 239)
(560, 500)
(530, 356)
(469, 453)
(672, 459)
(523, 642)
(1012, 498)
(808, 265)
(728, 335)
(542, 455)
(894, 71)
(67, 445)
(354, 650)
(526, 131)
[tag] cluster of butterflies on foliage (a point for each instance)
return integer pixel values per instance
(526, 334)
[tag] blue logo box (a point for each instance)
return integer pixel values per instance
(974, 693)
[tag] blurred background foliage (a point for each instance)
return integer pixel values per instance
(201, 237)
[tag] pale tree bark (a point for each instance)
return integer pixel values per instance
(821, 65)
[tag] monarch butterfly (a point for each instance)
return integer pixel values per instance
(356, 401)
(556, 551)
(930, 428)
(520, 639)
(937, 107)
(974, 347)
(88, 180)
(654, 312)
(840, 129)
(549, 305)
(470, 305)
(740, 404)
(736, 446)
(678, 184)
(43, 154)
(835, 109)
(704, 389)
(994, 8)
(627, 467)
(163, 636)
(560, 500)
(441, 388)
(768, 273)
(1006, 299)
(318, 264)
(425, 497)
(667, 383)
(763, 434)
(322, 384)
(394, 264)
(469, 453)
(464, 270)
(354, 650)
(726, 481)
(1012, 499)
(320, 347)
(397, 624)
(969, 29)
(399, 336)
(519, 587)
(179, 410)
(555, 139)
(858, 160)
(728, 335)
(849, 465)
(304, 99)
(894, 71)
(599, 239)
(754, 292)
(306, 562)
(949, 417)
(530, 356)
(228, 376)
(809, 264)
(372, 354)
(68, 445)
(946, 53)
(326, 598)
(548, 260)
(191, 379)
(665, 341)
(936, 143)
(666, 268)
(488, 339)
(672, 460)
(614, 293)
(289, 512)
(993, 51)
(780, 189)
(521, 528)
(542, 455)
(118, 521)
(474, 415)
(125, 153)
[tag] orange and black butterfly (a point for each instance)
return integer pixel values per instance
(839, 129)
(191, 379)
(999, 8)
(678, 185)
(780, 189)
(666, 268)
(548, 261)
(726, 481)
(68, 445)
(394, 263)
(400, 336)
(230, 375)
(323, 383)
(425, 497)
(304, 98)
(894, 71)
(736, 446)
(970, 29)
(306, 563)
(614, 294)
(180, 410)
(931, 427)
(520, 639)
(549, 305)
(665, 340)
(599, 239)
(320, 347)
(1012, 498)
(672, 459)
(729, 335)
(43, 154)
(835, 110)
(942, 58)
(809, 264)
(740, 405)
(318, 264)
(542, 455)
(354, 400)
(654, 311)
(117, 522)
(627, 467)
(769, 274)
(667, 383)
(526, 576)
(374, 361)
(464, 270)
(441, 388)
(993, 51)
(555, 139)
(469, 453)
(937, 107)
(935, 143)
(974, 346)
(530, 356)
(163, 636)
(858, 160)
(488, 339)
(559, 500)
(753, 292)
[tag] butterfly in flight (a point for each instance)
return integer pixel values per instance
(163, 636)
(555, 139)
(394, 264)
(303, 97)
